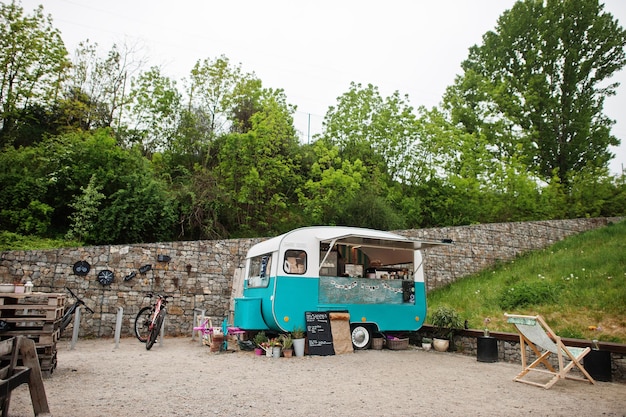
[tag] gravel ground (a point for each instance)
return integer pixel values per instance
(183, 378)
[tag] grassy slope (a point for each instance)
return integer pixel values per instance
(578, 285)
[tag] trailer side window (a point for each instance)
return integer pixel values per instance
(295, 262)
(260, 271)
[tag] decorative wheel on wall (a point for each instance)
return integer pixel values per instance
(106, 277)
(81, 268)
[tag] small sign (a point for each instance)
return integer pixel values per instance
(319, 336)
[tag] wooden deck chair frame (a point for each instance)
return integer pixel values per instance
(12, 375)
(535, 333)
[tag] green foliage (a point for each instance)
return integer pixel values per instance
(220, 157)
(298, 333)
(380, 132)
(86, 206)
(32, 62)
(445, 321)
(286, 341)
(332, 185)
(538, 80)
(591, 189)
(15, 241)
(120, 200)
(24, 206)
(155, 107)
(576, 283)
(260, 338)
(97, 88)
(528, 293)
(141, 211)
(257, 171)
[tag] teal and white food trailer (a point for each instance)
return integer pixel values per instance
(376, 276)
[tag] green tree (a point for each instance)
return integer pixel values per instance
(97, 88)
(137, 206)
(257, 171)
(24, 204)
(33, 61)
(378, 141)
(56, 185)
(381, 132)
(334, 183)
(211, 91)
(155, 110)
(87, 207)
(540, 80)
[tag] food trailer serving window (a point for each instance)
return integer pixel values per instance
(295, 262)
(259, 271)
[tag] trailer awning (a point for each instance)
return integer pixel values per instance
(406, 244)
(392, 251)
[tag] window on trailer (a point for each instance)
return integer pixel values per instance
(259, 271)
(295, 262)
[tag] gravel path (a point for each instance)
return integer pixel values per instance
(183, 378)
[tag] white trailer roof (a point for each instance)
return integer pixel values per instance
(354, 236)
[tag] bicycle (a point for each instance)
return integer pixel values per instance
(150, 319)
(68, 314)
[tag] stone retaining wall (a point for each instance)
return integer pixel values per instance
(199, 274)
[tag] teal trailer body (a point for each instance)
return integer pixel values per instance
(375, 276)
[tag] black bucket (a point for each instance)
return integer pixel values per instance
(598, 364)
(487, 349)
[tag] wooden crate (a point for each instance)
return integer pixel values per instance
(36, 316)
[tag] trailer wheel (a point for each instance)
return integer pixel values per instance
(361, 336)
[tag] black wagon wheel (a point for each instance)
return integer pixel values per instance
(142, 324)
(154, 333)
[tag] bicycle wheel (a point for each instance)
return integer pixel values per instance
(67, 318)
(142, 324)
(156, 330)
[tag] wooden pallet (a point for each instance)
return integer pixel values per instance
(36, 316)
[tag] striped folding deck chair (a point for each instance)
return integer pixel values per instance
(535, 332)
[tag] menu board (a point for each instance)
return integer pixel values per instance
(319, 336)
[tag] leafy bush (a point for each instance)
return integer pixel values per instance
(529, 293)
(445, 320)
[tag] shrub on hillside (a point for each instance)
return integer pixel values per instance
(529, 293)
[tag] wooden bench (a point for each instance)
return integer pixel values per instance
(12, 375)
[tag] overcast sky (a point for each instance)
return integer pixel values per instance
(312, 50)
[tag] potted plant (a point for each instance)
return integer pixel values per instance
(426, 343)
(486, 346)
(486, 322)
(445, 321)
(298, 339)
(259, 340)
(287, 343)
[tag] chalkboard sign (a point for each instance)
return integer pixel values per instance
(320, 338)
